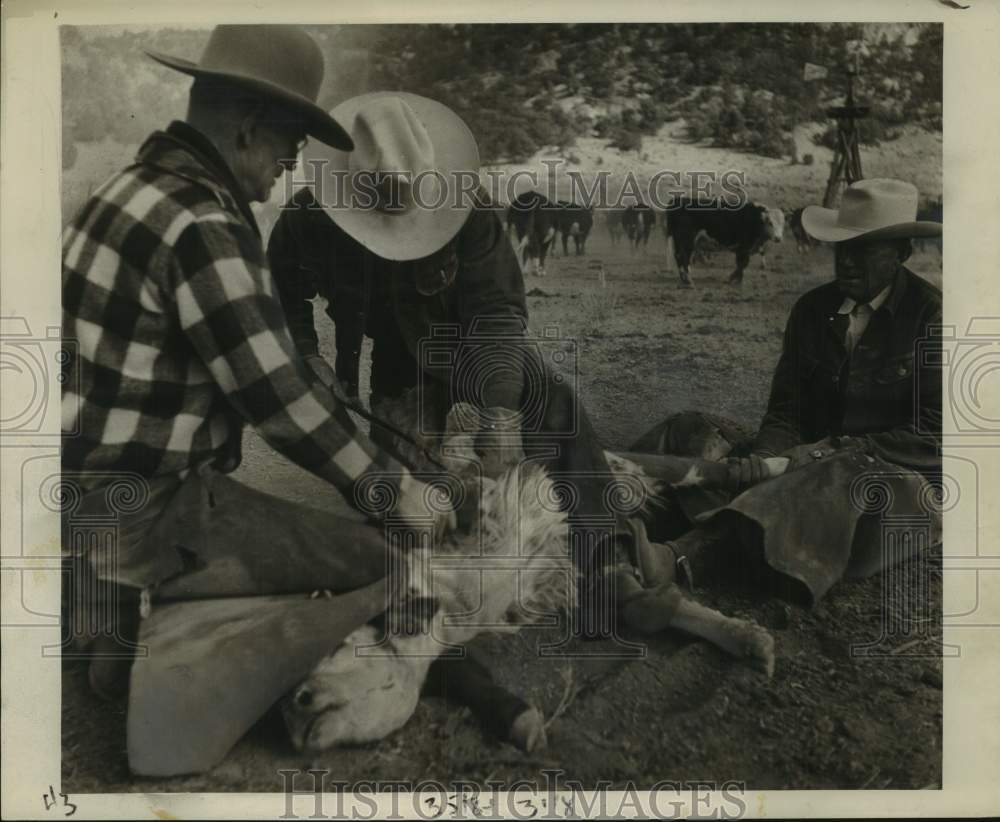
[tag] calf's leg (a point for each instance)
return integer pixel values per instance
(742, 639)
(468, 682)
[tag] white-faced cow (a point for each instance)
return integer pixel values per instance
(638, 221)
(535, 221)
(743, 229)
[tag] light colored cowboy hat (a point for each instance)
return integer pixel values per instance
(280, 62)
(877, 209)
(398, 133)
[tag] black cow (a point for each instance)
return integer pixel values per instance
(803, 242)
(535, 220)
(744, 230)
(638, 221)
(574, 221)
(613, 219)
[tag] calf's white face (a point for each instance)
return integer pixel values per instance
(350, 699)
(774, 223)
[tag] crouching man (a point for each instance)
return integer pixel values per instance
(407, 251)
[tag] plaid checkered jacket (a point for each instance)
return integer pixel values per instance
(180, 336)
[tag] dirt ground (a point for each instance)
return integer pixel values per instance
(855, 701)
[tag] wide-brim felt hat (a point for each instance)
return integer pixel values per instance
(876, 209)
(279, 62)
(396, 132)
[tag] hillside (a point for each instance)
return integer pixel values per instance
(641, 97)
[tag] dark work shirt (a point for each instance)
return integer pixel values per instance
(482, 300)
(888, 391)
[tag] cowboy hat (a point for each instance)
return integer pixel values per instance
(876, 209)
(282, 63)
(419, 142)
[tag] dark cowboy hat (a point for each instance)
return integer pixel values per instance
(282, 63)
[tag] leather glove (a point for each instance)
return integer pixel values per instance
(498, 444)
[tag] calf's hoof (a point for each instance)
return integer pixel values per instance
(753, 644)
(527, 731)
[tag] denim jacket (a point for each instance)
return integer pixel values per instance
(887, 392)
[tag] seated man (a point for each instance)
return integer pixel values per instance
(855, 405)
(181, 341)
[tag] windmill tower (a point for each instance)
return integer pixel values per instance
(846, 166)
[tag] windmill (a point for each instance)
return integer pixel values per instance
(846, 165)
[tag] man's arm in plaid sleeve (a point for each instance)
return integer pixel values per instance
(227, 310)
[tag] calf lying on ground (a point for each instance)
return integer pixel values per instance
(369, 687)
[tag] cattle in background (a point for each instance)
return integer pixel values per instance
(744, 230)
(933, 211)
(638, 221)
(613, 220)
(777, 219)
(803, 242)
(574, 221)
(535, 221)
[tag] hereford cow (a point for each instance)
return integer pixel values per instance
(744, 230)
(535, 221)
(638, 221)
(776, 218)
(574, 221)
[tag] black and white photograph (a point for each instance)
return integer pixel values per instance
(478, 418)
